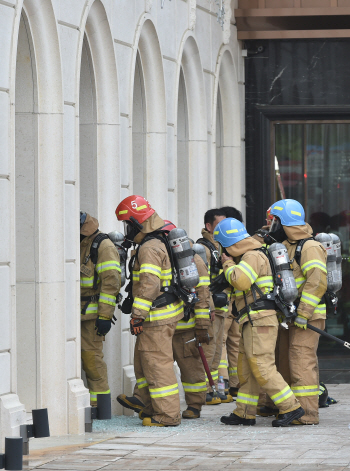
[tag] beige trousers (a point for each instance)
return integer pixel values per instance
(213, 350)
(230, 350)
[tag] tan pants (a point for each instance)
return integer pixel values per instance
(230, 349)
(155, 377)
(92, 357)
(257, 369)
(296, 357)
(213, 350)
(192, 370)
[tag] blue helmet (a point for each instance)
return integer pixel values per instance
(229, 231)
(290, 212)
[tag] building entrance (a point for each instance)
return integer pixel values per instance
(310, 161)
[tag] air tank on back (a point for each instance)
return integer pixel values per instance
(282, 266)
(200, 250)
(332, 274)
(117, 238)
(338, 261)
(183, 256)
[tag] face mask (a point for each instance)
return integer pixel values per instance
(276, 231)
(130, 232)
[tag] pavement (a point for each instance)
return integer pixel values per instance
(201, 444)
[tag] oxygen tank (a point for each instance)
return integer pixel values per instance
(282, 266)
(183, 256)
(117, 238)
(200, 250)
(337, 250)
(332, 274)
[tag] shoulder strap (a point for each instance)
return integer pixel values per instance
(95, 245)
(300, 245)
(207, 243)
(213, 261)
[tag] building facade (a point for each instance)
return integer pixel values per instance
(101, 99)
(298, 128)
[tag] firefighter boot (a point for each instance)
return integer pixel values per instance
(265, 411)
(225, 398)
(285, 419)
(130, 402)
(191, 413)
(151, 422)
(212, 400)
(142, 415)
(233, 419)
(233, 391)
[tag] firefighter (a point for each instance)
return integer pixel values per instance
(186, 353)
(297, 352)
(154, 326)
(213, 351)
(231, 338)
(99, 288)
(246, 267)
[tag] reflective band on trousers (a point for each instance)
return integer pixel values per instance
(232, 371)
(313, 264)
(309, 299)
(282, 396)
(223, 364)
(194, 387)
(163, 392)
(247, 399)
(305, 390)
(93, 394)
(141, 383)
(182, 325)
(110, 265)
(200, 314)
(170, 311)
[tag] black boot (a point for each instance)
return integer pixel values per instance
(265, 411)
(285, 419)
(233, 419)
(130, 402)
(233, 391)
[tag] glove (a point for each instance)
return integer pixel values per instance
(103, 326)
(300, 321)
(202, 336)
(136, 326)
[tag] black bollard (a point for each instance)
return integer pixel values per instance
(14, 453)
(104, 406)
(41, 423)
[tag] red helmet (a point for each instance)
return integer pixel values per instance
(134, 206)
(269, 215)
(168, 226)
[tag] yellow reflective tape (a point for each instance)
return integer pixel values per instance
(216, 232)
(231, 231)
(278, 207)
(296, 213)
(94, 393)
(141, 207)
(163, 392)
(194, 387)
(182, 325)
(160, 314)
(125, 211)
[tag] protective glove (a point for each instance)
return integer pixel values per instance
(202, 336)
(136, 326)
(103, 326)
(300, 321)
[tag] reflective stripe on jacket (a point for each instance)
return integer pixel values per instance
(108, 278)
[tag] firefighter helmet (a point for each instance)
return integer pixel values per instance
(168, 226)
(290, 212)
(229, 231)
(136, 207)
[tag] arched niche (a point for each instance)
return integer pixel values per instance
(38, 216)
(182, 156)
(88, 132)
(139, 127)
(197, 162)
(26, 167)
(150, 132)
(228, 164)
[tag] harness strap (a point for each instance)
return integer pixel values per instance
(88, 299)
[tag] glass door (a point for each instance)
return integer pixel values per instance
(312, 165)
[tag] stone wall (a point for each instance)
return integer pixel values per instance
(99, 100)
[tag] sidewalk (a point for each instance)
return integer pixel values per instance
(203, 444)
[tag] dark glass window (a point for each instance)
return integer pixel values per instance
(312, 165)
